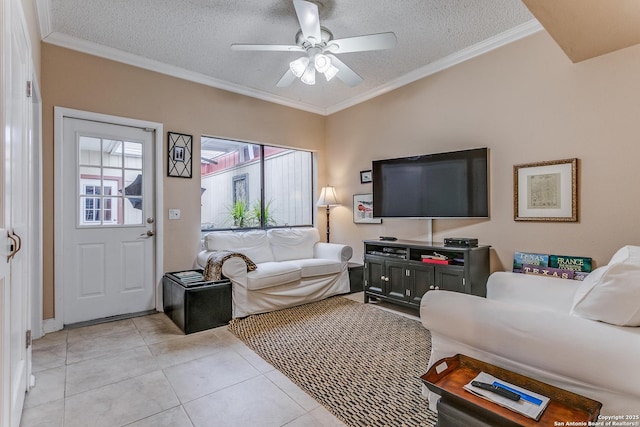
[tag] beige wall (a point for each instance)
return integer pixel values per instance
(75, 80)
(527, 102)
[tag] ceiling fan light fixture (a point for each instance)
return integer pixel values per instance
(309, 75)
(322, 62)
(299, 66)
(331, 72)
(319, 48)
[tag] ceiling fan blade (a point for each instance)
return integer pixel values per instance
(267, 47)
(346, 74)
(363, 43)
(286, 79)
(309, 20)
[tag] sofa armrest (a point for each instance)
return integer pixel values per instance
(235, 269)
(562, 345)
(548, 293)
(342, 253)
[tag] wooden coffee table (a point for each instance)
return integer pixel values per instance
(460, 407)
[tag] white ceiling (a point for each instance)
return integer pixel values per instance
(191, 39)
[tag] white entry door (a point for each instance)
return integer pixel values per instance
(15, 196)
(107, 220)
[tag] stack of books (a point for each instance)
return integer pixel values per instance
(189, 277)
(561, 266)
(436, 258)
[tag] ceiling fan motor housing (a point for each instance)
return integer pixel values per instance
(325, 34)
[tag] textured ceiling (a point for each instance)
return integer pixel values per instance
(192, 38)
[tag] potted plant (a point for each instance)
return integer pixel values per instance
(256, 214)
(239, 213)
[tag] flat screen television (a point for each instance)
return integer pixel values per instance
(443, 185)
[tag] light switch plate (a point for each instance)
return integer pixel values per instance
(174, 213)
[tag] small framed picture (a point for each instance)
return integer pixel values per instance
(178, 154)
(365, 177)
(179, 162)
(363, 209)
(546, 191)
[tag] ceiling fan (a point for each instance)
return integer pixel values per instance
(320, 48)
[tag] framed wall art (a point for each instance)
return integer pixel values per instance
(546, 191)
(179, 163)
(363, 209)
(365, 177)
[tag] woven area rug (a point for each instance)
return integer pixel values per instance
(361, 363)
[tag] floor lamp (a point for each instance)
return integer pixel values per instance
(327, 199)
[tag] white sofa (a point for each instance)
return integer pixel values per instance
(579, 336)
(293, 267)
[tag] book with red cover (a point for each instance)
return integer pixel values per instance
(435, 261)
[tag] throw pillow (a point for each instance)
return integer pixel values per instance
(611, 293)
(293, 243)
(253, 244)
(623, 254)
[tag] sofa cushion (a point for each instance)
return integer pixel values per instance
(254, 244)
(611, 293)
(270, 274)
(293, 243)
(312, 267)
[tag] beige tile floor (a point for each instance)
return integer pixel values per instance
(144, 372)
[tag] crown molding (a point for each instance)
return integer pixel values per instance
(516, 33)
(117, 55)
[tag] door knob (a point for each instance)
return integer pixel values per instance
(151, 233)
(150, 220)
(15, 246)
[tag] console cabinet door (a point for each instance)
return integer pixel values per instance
(450, 278)
(395, 280)
(374, 275)
(422, 279)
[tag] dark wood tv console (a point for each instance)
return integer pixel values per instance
(394, 271)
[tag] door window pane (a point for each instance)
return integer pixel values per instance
(90, 149)
(112, 153)
(110, 182)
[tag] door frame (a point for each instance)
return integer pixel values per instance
(35, 175)
(60, 113)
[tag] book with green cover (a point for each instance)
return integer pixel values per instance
(575, 263)
(520, 258)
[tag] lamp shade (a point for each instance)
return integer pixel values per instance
(328, 197)
(299, 66)
(322, 62)
(309, 75)
(331, 72)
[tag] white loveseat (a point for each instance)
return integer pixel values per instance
(293, 267)
(544, 328)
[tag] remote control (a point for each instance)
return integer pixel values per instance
(497, 390)
(389, 238)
